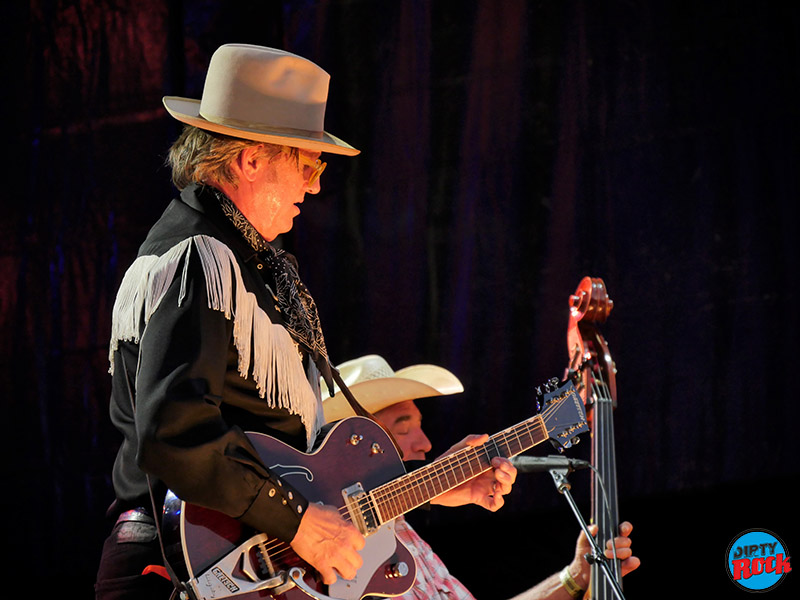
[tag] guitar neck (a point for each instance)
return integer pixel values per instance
(426, 483)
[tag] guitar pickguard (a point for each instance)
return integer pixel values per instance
(380, 547)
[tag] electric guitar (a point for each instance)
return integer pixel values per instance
(357, 465)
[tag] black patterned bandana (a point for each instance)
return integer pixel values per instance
(297, 307)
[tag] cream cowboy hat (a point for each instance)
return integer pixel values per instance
(375, 385)
(265, 95)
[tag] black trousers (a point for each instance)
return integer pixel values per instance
(129, 549)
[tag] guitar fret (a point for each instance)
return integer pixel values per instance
(451, 479)
(461, 469)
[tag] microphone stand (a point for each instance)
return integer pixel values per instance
(596, 556)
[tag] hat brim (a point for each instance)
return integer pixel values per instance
(411, 383)
(187, 110)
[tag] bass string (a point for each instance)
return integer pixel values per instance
(605, 433)
(603, 407)
(605, 500)
(604, 427)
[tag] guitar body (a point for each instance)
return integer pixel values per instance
(218, 554)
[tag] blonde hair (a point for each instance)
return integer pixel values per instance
(205, 157)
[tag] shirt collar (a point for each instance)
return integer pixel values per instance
(245, 227)
(208, 200)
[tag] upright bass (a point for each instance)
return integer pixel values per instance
(593, 370)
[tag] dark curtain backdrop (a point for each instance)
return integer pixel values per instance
(509, 148)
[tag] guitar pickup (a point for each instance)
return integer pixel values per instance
(361, 509)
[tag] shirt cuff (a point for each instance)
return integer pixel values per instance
(276, 510)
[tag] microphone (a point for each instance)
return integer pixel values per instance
(535, 464)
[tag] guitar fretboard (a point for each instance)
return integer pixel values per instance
(418, 487)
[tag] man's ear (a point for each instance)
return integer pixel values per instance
(248, 162)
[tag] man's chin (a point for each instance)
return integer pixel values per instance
(285, 224)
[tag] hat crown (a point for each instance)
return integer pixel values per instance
(265, 95)
(265, 88)
(366, 368)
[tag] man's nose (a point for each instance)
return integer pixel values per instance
(422, 443)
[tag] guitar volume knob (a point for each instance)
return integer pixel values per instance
(396, 570)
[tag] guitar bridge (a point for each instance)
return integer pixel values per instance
(363, 513)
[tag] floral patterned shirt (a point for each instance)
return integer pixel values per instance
(434, 581)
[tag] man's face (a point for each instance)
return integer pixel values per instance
(283, 186)
(405, 422)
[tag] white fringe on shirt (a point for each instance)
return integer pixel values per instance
(277, 366)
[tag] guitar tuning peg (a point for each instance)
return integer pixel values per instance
(575, 440)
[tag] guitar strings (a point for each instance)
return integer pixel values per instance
(465, 457)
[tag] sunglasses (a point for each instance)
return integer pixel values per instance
(317, 165)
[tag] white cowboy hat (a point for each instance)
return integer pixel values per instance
(265, 95)
(375, 385)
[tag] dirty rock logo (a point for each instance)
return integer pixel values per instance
(757, 560)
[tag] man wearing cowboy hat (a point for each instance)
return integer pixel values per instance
(390, 395)
(214, 334)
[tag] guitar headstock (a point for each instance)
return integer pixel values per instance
(563, 414)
